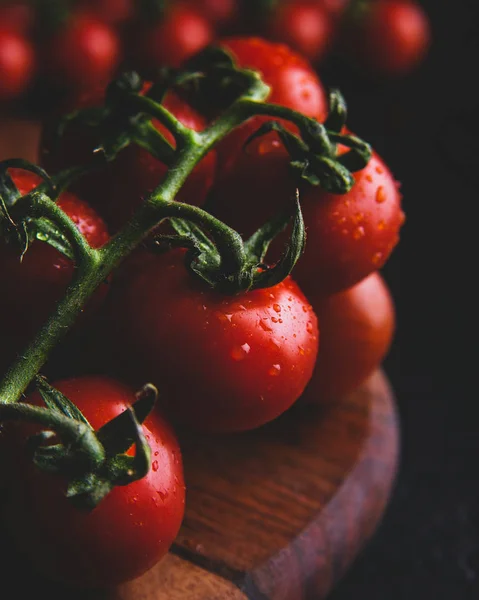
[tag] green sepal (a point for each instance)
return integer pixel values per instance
(338, 112)
(55, 400)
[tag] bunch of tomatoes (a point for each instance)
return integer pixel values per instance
(222, 363)
(62, 47)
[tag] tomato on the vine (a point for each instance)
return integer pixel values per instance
(128, 532)
(84, 53)
(305, 26)
(119, 188)
(39, 279)
(389, 37)
(293, 82)
(17, 63)
(357, 328)
(221, 363)
(348, 235)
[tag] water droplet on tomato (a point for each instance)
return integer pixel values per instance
(154, 465)
(301, 350)
(309, 327)
(379, 170)
(369, 178)
(275, 370)
(223, 317)
(264, 325)
(377, 258)
(162, 495)
(305, 309)
(380, 195)
(277, 308)
(240, 352)
(274, 319)
(156, 452)
(382, 225)
(359, 233)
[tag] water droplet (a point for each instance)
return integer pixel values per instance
(264, 325)
(359, 233)
(277, 308)
(359, 217)
(242, 307)
(369, 178)
(239, 352)
(382, 225)
(43, 237)
(301, 350)
(154, 465)
(377, 258)
(275, 370)
(156, 452)
(162, 495)
(305, 309)
(274, 319)
(380, 195)
(309, 327)
(225, 318)
(272, 296)
(379, 170)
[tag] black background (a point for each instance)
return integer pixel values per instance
(426, 127)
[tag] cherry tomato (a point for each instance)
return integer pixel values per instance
(82, 54)
(17, 64)
(348, 236)
(119, 188)
(293, 83)
(115, 12)
(391, 37)
(221, 363)
(305, 26)
(220, 13)
(36, 282)
(17, 16)
(357, 328)
(128, 532)
(179, 34)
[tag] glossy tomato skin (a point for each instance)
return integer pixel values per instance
(221, 363)
(34, 284)
(82, 54)
(181, 32)
(119, 188)
(17, 63)
(391, 38)
(357, 329)
(348, 235)
(128, 532)
(305, 26)
(292, 80)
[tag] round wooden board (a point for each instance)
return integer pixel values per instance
(274, 514)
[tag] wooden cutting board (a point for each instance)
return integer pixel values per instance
(274, 514)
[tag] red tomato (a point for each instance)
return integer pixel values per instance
(133, 526)
(357, 328)
(293, 83)
(219, 12)
(119, 188)
(305, 26)
(222, 363)
(390, 38)
(348, 236)
(115, 12)
(179, 34)
(17, 16)
(83, 54)
(17, 64)
(34, 284)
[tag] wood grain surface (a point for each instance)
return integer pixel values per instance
(274, 514)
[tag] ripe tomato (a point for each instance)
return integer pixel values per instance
(179, 34)
(221, 363)
(18, 16)
(115, 12)
(82, 54)
(119, 188)
(293, 83)
(348, 236)
(391, 37)
(357, 328)
(17, 64)
(305, 26)
(128, 532)
(35, 283)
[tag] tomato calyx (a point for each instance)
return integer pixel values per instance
(314, 154)
(35, 216)
(91, 461)
(218, 256)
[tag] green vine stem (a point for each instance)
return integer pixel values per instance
(94, 266)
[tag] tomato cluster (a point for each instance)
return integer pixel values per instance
(221, 362)
(67, 47)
